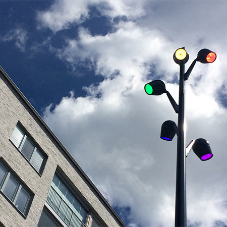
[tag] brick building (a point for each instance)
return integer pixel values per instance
(40, 183)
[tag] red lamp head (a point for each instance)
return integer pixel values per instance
(206, 56)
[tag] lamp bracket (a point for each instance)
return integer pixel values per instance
(173, 102)
(189, 147)
(187, 74)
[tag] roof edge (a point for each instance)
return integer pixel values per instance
(33, 110)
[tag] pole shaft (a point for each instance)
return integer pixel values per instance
(180, 205)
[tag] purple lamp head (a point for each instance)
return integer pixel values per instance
(202, 149)
(206, 157)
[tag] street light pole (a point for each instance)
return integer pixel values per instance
(180, 204)
(200, 146)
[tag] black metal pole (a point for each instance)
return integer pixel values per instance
(180, 205)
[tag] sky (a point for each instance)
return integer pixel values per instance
(83, 64)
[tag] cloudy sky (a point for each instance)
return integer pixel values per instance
(83, 65)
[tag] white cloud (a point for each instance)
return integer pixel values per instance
(120, 135)
(110, 134)
(126, 51)
(18, 35)
(117, 125)
(188, 23)
(129, 8)
(63, 13)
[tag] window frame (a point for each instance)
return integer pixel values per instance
(20, 186)
(26, 136)
(91, 214)
(47, 210)
(57, 191)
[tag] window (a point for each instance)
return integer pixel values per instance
(14, 189)
(65, 205)
(28, 148)
(94, 224)
(47, 220)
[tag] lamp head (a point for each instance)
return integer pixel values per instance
(180, 56)
(202, 149)
(206, 56)
(168, 130)
(155, 87)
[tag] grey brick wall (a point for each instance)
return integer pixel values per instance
(13, 108)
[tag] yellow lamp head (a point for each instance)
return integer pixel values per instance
(180, 56)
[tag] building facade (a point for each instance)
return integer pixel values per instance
(41, 185)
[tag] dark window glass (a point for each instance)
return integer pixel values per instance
(54, 200)
(94, 224)
(10, 188)
(65, 213)
(22, 200)
(17, 137)
(62, 188)
(83, 213)
(3, 172)
(47, 220)
(70, 197)
(27, 149)
(65, 204)
(37, 159)
(76, 205)
(75, 221)
(56, 180)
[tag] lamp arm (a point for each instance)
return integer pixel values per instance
(187, 74)
(189, 147)
(173, 102)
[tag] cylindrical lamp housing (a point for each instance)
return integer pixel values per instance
(168, 130)
(206, 56)
(155, 87)
(202, 149)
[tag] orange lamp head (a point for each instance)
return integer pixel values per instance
(206, 56)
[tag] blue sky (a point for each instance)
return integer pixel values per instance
(83, 64)
(21, 41)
